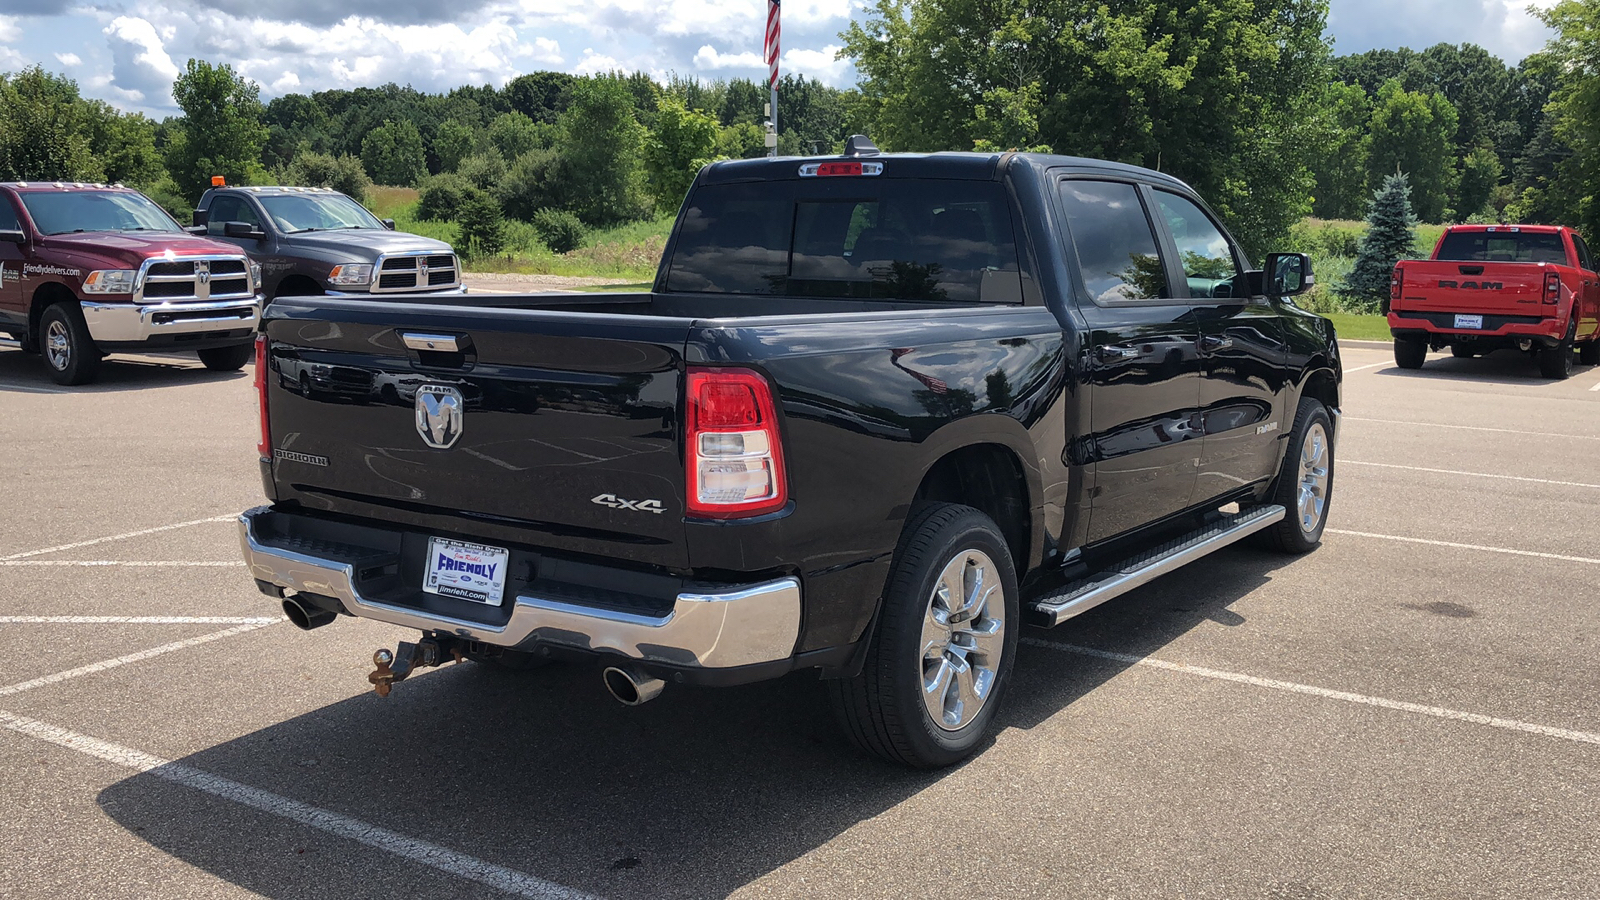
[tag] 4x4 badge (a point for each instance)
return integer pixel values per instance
(615, 502)
(440, 415)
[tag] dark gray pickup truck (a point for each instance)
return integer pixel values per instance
(319, 241)
(878, 412)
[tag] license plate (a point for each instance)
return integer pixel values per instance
(466, 571)
(1469, 321)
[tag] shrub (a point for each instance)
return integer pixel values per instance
(393, 153)
(530, 185)
(484, 170)
(483, 228)
(344, 174)
(560, 230)
(442, 195)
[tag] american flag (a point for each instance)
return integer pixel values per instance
(771, 45)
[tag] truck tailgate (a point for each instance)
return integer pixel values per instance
(1500, 288)
(567, 424)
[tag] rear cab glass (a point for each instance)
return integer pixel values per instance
(850, 238)
(1502, 246)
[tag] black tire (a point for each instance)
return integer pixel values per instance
(1292, 534)
(1556, 362)
(227, 359)
(70, 355)
(1410, 353)
(1460, 352)
(1589, 352)
(882, 709)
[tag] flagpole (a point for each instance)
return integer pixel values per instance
(770, 45)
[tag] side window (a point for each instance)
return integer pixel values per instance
(1208, 261)
(1584, 259)
(230, 209)
(8, 215)
(1115, 244)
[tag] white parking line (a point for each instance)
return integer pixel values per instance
(1595, 388)
(116, 537)
(1585, 737)
(1576, 437)
(139, 620)
(92, 668)
(1357, 462)
(1452, 544)
(1373, 366)
(408, 848)
(135, 563)
(32, 390)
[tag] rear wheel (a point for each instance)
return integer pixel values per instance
(69, 353)
(227, 359)
(1556, 361)
(1305, 482)
(942, 655)
(1410, 353)
(1589, 353)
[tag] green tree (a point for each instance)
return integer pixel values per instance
(541, 96)
(1339, 155)
(514, 134)
(683, 141)
(1574, 189)
(124, 144)
(1413, 134)
(453, 142)
(600, 163)
(1391, 236)
(1480, 175)
(41, 129)
(483, 228)
(220, 132)
(342, 173)
(1213, 91)
(392, 153)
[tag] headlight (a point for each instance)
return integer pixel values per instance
(350, 274)
(255, 275)
(110, 281)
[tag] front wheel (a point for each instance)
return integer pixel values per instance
(943, 651)
(69, 353)
(1305, 482)
(1410, 353)
(227, 359)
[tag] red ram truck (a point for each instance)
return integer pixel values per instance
(1492, 287)
(90, 269)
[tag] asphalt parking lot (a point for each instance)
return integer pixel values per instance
(1410, 711)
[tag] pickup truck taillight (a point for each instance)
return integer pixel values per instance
(1552, 287)
(733, 450)
(1396, 280)
(264, 446)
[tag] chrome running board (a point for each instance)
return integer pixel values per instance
(1086, 593)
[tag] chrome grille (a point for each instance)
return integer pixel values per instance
(194, 278)
(418, 272)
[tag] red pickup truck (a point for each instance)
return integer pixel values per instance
(1491, 287)
(89, 269)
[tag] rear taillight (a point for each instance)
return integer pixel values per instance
(733, 451)
(264, 446)
(1552, 287)
(1395, 281)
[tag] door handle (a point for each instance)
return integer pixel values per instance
(1113, 352)
(1211, 343)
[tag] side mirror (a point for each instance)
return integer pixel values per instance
(242, 230)
(388, 223)
(201, 217)
(12, 236)
(1288, 274)
(195, 229)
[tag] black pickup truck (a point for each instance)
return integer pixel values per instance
(878, 413)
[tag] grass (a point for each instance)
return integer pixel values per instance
(1351, 327)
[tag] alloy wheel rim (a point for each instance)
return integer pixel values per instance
(963, 639)
(1314, 476)
(57, 347)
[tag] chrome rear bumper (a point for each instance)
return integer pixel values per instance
(734, 626)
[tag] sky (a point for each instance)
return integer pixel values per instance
(127, 52)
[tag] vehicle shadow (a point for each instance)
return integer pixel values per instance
(25, 373)
(694, 795)
(1499, 367)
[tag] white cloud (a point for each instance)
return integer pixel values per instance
(593, 63)
(140, 66)
(10, 29)
(546, 51)
(709, 58)
(69, 59)
(818, 64)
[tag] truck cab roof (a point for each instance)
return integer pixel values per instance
(961, 166)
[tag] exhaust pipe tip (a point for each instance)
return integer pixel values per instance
(306, 617)
(631, 686)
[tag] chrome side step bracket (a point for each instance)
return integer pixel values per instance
(1086, 593)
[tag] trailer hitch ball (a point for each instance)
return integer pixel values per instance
(391, 667)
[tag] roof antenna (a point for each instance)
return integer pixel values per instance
(860, 145)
